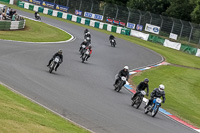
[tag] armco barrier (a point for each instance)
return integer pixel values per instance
(96, 25)
(114, 29)
(83, 21)
(31, 7)
(41, 9)
(12, 25)
(188, 49)
(69, 17)
(78, 20)
(156, 39)
(105, 26)
(60, 14)
(50, 12)
(21, 4)
(64, 16)
(87, 21)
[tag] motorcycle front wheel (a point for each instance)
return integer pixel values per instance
(154, 112)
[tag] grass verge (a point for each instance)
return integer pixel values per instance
(182, 90)
(36, 32)
(19, 115)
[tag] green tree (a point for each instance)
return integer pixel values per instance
(154, 6)
(180, 9)
(118, 2)
(195, 15)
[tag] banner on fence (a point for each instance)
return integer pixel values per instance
(37, 2)
(62, 8)
(94, 16)
(78, 12)
(130, 25)
(48, 4)
(122, 24)
(109, 20)
(116, 22)
(173, 36)
(139, 27)
(152, 28)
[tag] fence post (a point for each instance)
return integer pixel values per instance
(172, 25)
(181, 29)
(190, 32)
(116, 12)
(151, 18)
(91, 6)
(104, 10)
(80, 5)
(67, 3)
(161, 22)
(54, 1)
(129, 13)
(140, 16)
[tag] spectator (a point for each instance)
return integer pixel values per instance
(1, 16)
(8, 11)
(14, 16)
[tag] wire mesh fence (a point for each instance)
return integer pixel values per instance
(187, 32)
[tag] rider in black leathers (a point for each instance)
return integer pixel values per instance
(142, 86)
(158, 93)
(84, 43)
(59, 53)
(111, 37)
(86, 31)
(124, 72)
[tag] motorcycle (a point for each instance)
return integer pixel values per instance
(83, 47)
(86, 54)
(37, 17)
(54, 63)
(138, 99)
(113, 42)
(154, 107)
(120, 83)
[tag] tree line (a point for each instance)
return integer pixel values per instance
(188, 10)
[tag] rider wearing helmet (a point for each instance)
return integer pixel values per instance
(86, 31)
(84, 43)
(59, 53)
(124, 72)
(158, 93)
(142, 86)
(111, 37)
(90, 49)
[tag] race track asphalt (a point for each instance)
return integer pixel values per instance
(83, 92)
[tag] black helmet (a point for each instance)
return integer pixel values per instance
(146, 80)
(60, 51)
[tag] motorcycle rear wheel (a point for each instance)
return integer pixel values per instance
(146, 110)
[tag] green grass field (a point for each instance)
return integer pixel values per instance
(36, 32)
(19, 115)
(181, 88)
(181, 83)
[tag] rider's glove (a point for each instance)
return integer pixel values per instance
(147, 94)
(163, 101)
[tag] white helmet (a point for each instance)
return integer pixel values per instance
(161, 87)
(126, 67)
